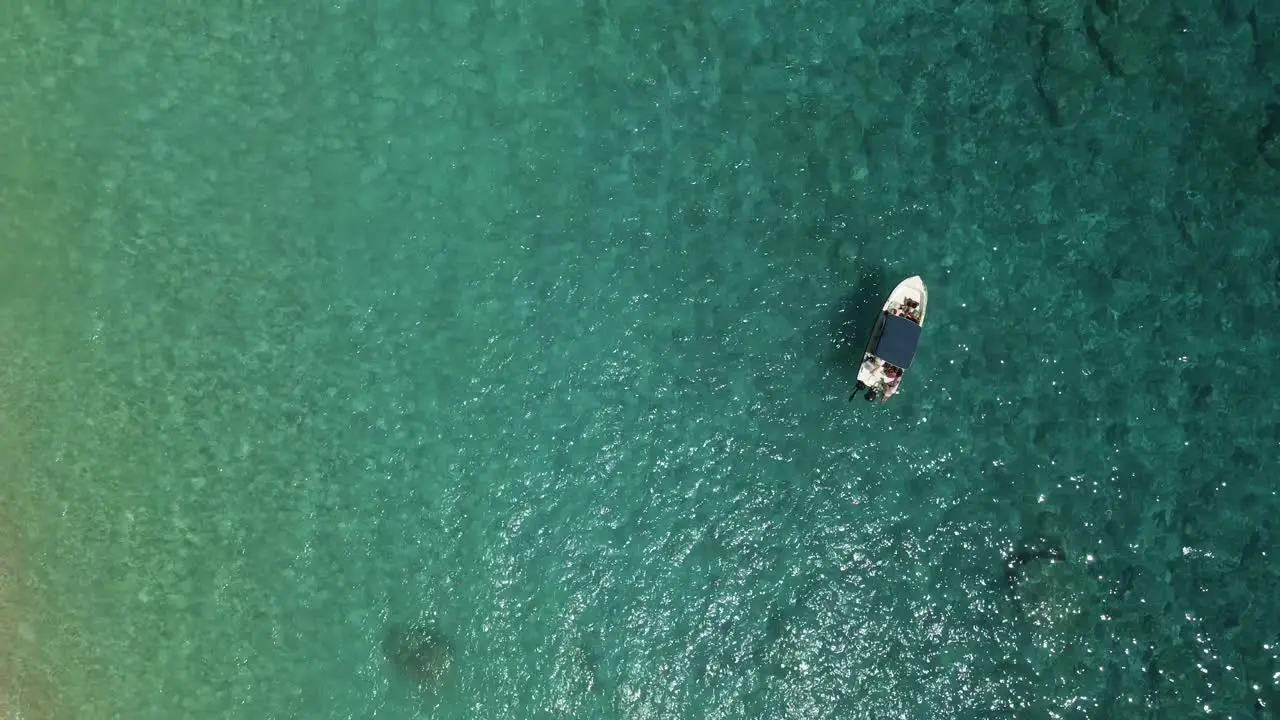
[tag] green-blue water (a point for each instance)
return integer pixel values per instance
(537, 320)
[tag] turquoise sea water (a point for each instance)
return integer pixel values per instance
(536, 321)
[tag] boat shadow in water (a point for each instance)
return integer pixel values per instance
(852, 320)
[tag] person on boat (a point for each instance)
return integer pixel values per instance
(907, 311)
(890, 387)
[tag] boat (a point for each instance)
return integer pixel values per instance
(894, 339)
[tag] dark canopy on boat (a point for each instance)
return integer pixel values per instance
(897, 341)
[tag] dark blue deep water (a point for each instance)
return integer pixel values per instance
(380, 359)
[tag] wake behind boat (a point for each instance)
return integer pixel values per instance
(893, 340)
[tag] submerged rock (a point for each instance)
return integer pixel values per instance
(419, 651)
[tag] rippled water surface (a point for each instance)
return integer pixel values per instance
(492, 360)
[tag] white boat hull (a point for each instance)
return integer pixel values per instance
(871, 372)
